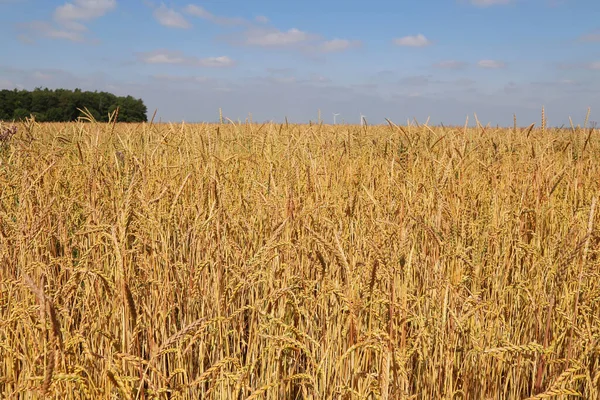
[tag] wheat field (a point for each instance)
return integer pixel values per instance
(281, 261)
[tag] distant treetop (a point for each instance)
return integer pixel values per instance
(61, 105)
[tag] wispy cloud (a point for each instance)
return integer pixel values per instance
(463, 82)
(48, 30)
(261, 19)
(198, 11)
(491, 64)
(590, 37)
(180, 78)
(316, 78)
(294, 39)
(70, 19)
(170, 18)
(201, 12)
(258, 33)
(488, 3)
(6, 84)
(221, 61)
(165, 56)
(271, 37)
(83, 10)
(334, 45)
(416, 80)
(413, 41)
(595, 65)
(42, 75)
(450, 64)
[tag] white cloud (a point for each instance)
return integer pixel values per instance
(334, 45)
(319, 79)
(463, 82)
(488, 3)
(179, 78)
(309, 43)
(170, 18)
(491, 64)
(591, 37)
(261, 19)
(595, 65)
(450, 64)
(165, 56)
(70, 19)
(41, 75)
(201, 12)
(83, 10)
(24, 38)
(53, 78)
(275, 38)
(222, 61)
(47, 30)
(417, 80)
(198, 11)
(6, 84)
(413, 41)
(257, 33)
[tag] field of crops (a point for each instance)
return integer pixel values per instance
(276, 261)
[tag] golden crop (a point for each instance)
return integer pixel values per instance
(246, 261)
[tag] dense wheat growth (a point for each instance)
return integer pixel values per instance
(240, 261)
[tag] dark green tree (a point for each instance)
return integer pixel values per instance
(21, 113)
(65, 105)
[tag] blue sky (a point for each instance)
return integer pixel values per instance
(396, 59)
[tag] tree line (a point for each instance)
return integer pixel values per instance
(62, 105)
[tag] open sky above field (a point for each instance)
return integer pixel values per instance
(397, 59)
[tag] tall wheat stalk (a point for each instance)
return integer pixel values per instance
(284, 261)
